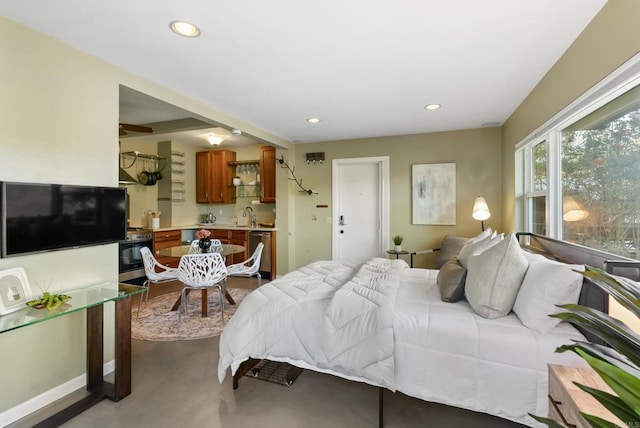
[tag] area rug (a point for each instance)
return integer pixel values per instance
(157, 322)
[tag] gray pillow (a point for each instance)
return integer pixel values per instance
(494, 278)
(449, 248)
(451, 280)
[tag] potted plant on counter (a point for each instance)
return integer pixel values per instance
(397, 240)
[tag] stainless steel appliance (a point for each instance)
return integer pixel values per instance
(131, 268)
(265, 260)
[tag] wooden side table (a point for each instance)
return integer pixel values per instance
(566, 400)
(397, 253)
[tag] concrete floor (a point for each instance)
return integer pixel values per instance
(175, 385)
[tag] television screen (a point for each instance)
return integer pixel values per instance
(46, 217)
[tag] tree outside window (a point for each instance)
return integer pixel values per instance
(601, 177)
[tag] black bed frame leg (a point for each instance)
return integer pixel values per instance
(380, 406)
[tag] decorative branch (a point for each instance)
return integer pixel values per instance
(284, 164)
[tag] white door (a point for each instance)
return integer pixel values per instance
(360, 208)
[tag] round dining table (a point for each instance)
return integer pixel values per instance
(181, 250)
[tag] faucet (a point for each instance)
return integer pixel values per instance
(254, 220)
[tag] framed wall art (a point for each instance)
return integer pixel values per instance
(434, 193)
(15, 290)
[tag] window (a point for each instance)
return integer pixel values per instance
(537, 195)
(601, 177)
(581, 174)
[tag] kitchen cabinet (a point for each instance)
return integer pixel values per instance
(214, 177)
(267, 174)
(239, 237)
(166, 239)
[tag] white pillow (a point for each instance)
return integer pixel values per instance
(546, 284)
(482, 235)
(494, 278)
(477, 247)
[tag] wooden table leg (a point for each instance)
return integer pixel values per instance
(122, 383)
(229, 298)
(176, 305)
(204, 305)
(205, 302)
(95, 348)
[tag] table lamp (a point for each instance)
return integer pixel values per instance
(481, 210)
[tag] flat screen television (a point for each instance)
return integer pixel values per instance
(47, 217)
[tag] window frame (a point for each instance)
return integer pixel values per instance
(617, 83)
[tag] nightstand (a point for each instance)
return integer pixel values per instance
(566, 400)
(397, 253)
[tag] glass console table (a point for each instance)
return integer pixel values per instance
(91, 300)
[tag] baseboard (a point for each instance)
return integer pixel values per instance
(38, 402)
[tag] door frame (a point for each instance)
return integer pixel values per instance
(383, 191)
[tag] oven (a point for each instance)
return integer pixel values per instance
(130, 265)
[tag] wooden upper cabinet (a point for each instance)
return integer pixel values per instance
(214, 177)
(267, 174)
(203, 177)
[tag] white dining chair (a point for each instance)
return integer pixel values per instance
(156, 273)
(201, 271)
(249, 267)
(216, 246)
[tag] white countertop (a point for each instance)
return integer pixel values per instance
(216, 226)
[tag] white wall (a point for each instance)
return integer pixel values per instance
(57, 121)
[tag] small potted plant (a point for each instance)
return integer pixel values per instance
(397, 240)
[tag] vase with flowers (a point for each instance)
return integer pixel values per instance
(204, 240)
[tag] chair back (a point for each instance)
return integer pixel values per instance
(255, 258)
(202, 270)
(150, 264)
(216, 246)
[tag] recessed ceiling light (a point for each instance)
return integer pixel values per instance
(432, 106)
(184, 29)
(313, 120)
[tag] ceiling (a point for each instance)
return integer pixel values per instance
(366, 68)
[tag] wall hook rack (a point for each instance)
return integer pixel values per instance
(284, 164)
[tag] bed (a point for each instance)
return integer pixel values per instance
(385, 324)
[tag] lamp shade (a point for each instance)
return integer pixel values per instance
(572, 210)
(481, 209)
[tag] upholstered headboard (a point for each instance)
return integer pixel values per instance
(567, 252)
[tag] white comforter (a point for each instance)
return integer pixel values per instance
(385, 324)
(331, 316)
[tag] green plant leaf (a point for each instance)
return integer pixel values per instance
(549, 422)
(614, 404)
(609, 329)
(604, 353)
(627, 387)
(625, 291)
(597, 422)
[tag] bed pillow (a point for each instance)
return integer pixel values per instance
(451, 279)
(546, 284)
(476, 247)
(494, 278)
(449, 248)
